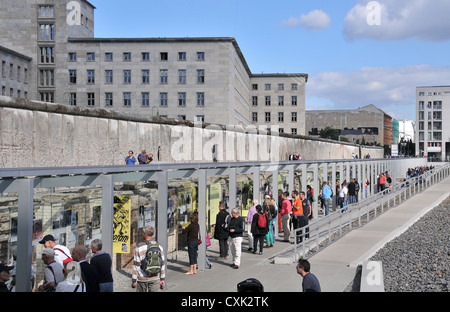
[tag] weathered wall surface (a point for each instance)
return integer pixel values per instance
(35, 134)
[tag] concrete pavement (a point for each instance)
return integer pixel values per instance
(335, 266)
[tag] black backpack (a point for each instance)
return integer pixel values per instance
(226, 223)
(250, 285)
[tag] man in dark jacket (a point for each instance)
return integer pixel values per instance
(236, 233)
(221, 230)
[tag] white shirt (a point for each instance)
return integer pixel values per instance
(59, 255)
(343, 192)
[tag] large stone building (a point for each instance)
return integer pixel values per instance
(433, 122)
(196, 79)
(368, 124)
(14, 73)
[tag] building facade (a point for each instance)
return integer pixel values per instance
(14, 73)
(195, 79)
(432, 122)
(366, 124)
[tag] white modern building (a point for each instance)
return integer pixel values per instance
(433, 122)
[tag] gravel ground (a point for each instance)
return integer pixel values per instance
(419, 259)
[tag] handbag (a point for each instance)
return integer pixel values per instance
(208, 241)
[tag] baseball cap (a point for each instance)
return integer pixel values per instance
(46, 239)
(48, 252)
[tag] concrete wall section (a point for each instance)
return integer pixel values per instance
(35, 134)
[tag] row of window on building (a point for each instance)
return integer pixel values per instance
(144, 56)
(437, 105)
(19, 74)
(268, 117)
(18, 94)
(126, 76)
(434, 93)
(127, 99)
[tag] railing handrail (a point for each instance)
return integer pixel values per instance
(328, 224)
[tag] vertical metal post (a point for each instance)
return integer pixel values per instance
(24, 234)
(107, 213)
(257, 185)
(163, 200)
(316, 187)
(232, 188)
(333, 186)
(202, 188)
(275, 182)
(291, 180)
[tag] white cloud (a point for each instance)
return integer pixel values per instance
(314, 20)
(391, 89)
(400, 19)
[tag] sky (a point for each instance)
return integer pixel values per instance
(356, 52)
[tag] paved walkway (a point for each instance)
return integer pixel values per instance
(335, 266)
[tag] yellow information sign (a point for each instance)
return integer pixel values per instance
(121, 224)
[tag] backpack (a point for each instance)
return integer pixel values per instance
(226, 223)
(262, 221)
(153, 259)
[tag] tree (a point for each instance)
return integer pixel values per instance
(331, 134)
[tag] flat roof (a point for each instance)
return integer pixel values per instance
(187, 39)
(27, 58)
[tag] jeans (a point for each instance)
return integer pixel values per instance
(192, 251)
(326, 204)
(342, 203)
(107, 287)
(352, 199)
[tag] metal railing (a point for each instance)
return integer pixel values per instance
(321, 233)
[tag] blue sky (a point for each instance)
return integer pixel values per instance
(356, 52)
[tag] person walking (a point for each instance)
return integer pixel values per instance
(62, 253)
(271, 215)
(148, 273)
(237, 225)
(310, 282)
(192, 231)
(103, 263)
(89, 272)
(326, 194)
(130, 159)
(307, 209)
(53, 273)
(221, 232)
(250, 215)
(4, 277)
(260, 226)
(297, 217)
(286, 209)
(352, 191)
(73, 282)
(343, 194)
